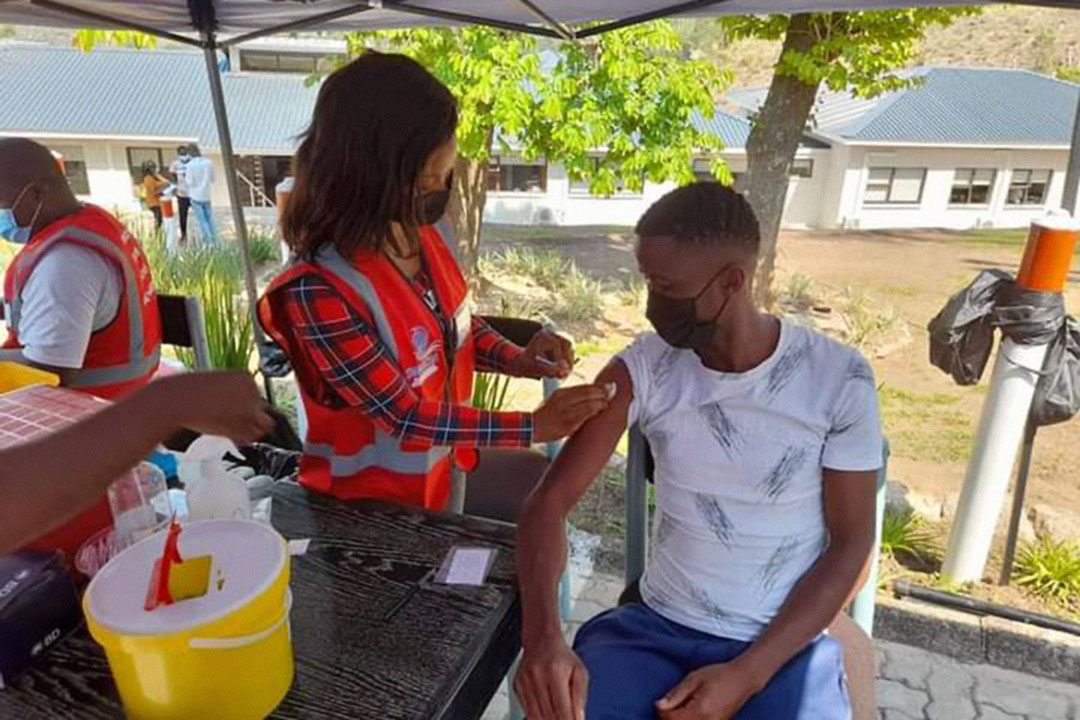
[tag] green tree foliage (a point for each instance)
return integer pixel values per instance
(87, 40)
(856, 51)
(612, 109)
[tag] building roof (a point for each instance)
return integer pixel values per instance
(164, 94)
(953, 106)
(142, 93)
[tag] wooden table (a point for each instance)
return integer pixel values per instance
(372, 638)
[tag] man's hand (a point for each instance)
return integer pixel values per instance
(546, 355)
(552, 682)
(715, 692)
(214, 403)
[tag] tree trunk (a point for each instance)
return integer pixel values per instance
(467, 211)
(773, 140)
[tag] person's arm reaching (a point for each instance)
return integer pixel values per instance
(551, 681)
(719, 691)
(354, 363)
(49, 480)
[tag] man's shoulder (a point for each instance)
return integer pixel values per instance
(821, 349)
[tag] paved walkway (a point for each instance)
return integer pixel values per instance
(913, 684)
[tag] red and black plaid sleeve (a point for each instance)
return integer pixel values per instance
(359, 371)
(494, 353)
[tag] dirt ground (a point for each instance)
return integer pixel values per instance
(929, 420)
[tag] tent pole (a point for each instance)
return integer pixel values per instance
(217, 95)
(1069, 199)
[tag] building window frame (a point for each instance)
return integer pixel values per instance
(135, 168)
(1026, 187)
(496, 176)
(801, 168)
(75, 170)
(889, 185)
(967, 181)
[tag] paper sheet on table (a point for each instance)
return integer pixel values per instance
(466, 566)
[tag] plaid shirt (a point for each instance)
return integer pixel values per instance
(359, 372)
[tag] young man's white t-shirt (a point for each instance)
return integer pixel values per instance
(739, 458)
(72, 292)
(199, 176)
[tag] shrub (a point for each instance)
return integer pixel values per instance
(489, 391)
(903, 533)
(1050, 568)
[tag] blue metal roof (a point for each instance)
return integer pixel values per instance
(973, 105)
(977, 106)
(143, 93)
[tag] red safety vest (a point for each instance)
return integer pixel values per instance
(124, 354)
(346, 454)
(120, 357)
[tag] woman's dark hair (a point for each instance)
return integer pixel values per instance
(376, 122)
(149, 167)
(704, 212)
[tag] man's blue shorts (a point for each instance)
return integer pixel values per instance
(635, 656)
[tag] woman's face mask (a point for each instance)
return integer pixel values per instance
(433, 204)
(675, 319)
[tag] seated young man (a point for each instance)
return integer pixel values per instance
(766, 440)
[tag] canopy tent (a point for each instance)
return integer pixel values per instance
(215, 24)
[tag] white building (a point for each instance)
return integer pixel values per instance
(966, 148)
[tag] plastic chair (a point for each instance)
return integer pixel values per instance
(183, 325)
(639, 473)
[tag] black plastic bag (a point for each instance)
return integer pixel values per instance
(1057, 394)
(273, 362)
(962, 334)
(1028, 317)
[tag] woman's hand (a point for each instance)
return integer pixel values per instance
(567, 409)
(546, 355)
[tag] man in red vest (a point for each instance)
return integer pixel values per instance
(78, 298)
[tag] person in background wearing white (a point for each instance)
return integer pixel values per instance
(178, 170)
(95, 451)
(200, 178)
(767, 445)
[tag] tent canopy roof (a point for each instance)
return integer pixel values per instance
(190, 18)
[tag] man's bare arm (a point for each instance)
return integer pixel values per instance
(551, 681)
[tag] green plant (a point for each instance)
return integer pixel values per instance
(489, 391)
(634, 292)
(263, 245)
(904, 533)
(578, 298)
(544, 267)
(1051, 569)
(866, 318)
(800, 290)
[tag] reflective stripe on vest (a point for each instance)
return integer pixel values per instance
(385, 451)
(138, 365)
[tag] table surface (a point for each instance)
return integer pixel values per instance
(372, 636)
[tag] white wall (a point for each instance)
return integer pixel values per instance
(560, 206)
(934, 210)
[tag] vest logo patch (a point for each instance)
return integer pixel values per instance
(427, 356)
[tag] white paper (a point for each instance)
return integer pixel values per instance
(299, 547)
(469, 566)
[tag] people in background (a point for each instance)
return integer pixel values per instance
(374, 314)
(200, 175)
(766, 442)
(154, 186)
(178, 170)
(81, 460)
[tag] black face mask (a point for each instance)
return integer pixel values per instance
(675, 319)
(433, 204)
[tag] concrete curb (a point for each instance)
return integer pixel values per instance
(979, 639)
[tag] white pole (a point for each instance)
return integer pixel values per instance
(1001, 429)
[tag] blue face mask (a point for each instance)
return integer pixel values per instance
(9, 227)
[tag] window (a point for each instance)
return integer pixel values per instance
(895, 186)
(74, 168)
(504, 176)
(581, 187)
(136, 156)
(972, 186)
(801, 168)
(263, 61)
(702, 171)
(1028, 187)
